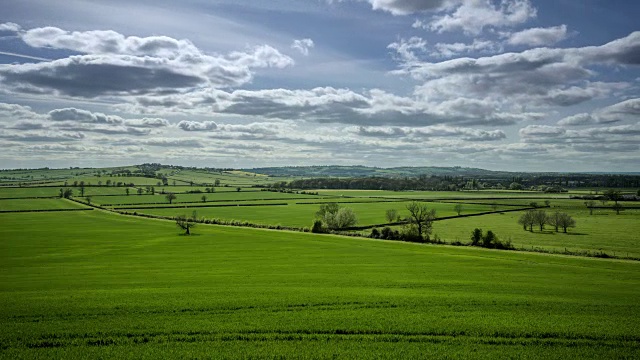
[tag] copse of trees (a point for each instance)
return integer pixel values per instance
(332, 216)
(540, 218)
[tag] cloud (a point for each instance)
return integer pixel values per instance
(473, 16)
(452, 49)
(419, 134)
(197, 126)
(170, 143)
(539, 36)
(407, 48)
(303, 46)
(406, 7)
(10, 27)
(119, 65)
(624, 110)
(41, 136)
(540, 76)
(147, 123)
(28, 125)
(83, 116)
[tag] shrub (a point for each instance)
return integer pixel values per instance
(375, 234)
(317, 227)
(476, 237)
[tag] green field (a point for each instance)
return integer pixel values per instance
(98, 284)
(301, 215)
(95, 284)
(38, 204)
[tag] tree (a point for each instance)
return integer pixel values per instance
(68, 193)
(617, 208)
(317, 227)
(422, 217)
(61, 193)
(540, 218)
(613, 195)
(590, 204)
(547, 203)
(170, 197)
(391, 215)
(515, 186)
(140, 191)
(88, 199)
(238, 189)
(204, 198)
(457, 208)
(554, 220)
(488, 239)
(153, 190)
(335, 217)
(476, 236)
(527, 220)
(329, 208)
(566, 221)
(127, 190)
(185, 223)
(81, 188)
(494, 206)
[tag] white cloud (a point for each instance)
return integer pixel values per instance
(83, 116)
(196, 125)
(624, 110)
(539, 36)
(303, 46)
(10, 27)
(452, 49)
(473, 16)
(407, 48)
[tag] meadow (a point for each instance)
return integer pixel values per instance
(93, 284)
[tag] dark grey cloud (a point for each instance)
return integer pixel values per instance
(113, 64)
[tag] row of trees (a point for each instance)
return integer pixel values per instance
(540, 218)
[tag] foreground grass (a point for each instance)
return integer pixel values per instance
(95, 284)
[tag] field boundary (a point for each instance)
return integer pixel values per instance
(42, 210)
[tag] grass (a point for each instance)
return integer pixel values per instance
(38, 204)
(603, 231)
(101, 285)
(301, 215)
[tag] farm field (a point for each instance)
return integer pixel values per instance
(301, 215)
(98, 284)
(441, 194)
(38, 204)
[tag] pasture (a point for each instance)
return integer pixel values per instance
(94, 284)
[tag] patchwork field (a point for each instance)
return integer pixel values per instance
(96, 284)
(85, 284)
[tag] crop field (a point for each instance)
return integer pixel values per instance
(95, 284)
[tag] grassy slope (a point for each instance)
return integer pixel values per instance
(39, 204)
(72, 282)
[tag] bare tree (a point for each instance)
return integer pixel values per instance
(170, 197)
(422, 217)
(590, 204)
(391, 215)
(458, 209)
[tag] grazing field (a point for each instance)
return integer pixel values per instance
(505, 194)
(95, 284)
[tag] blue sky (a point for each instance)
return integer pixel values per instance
(519, 85)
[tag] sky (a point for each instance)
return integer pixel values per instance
(517, 85)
